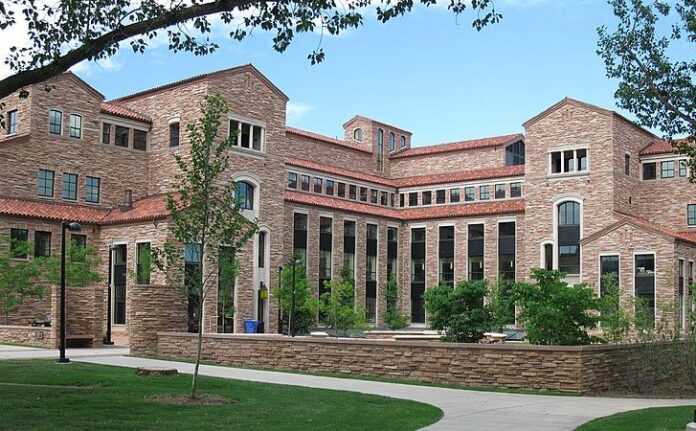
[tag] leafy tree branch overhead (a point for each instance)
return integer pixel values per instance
(651, 53)
(62, 34)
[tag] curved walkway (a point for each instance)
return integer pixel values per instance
(463, 410)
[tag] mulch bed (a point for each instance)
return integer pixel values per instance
(185, 400)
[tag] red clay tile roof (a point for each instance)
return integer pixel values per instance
(661, 147)
(411, 214)
(338, 171)
(687, 236)
(326, 139)
(120, 111)
(460, 146)
(642, 224)
(480, 174)
(149, 208)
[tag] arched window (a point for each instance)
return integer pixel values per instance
(357, 134)
(245, 195)
(569, 237)
(514, 154)
(403, 141)
(392, 138)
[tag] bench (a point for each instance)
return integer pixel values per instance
(78, 340)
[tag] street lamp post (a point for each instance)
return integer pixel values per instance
(73, 227)
(108, 341)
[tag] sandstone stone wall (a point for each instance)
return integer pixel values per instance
(158, 308)
(28, 335)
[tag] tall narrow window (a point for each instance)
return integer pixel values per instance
(454, 195)
(357, 134)
(352, 192)
(143, 263)
(42, 244)
(341, 189)
(299, 242)
(349, 248)
(440, 196)
(245, 135)
(292, 180)
(55, 122)
(417, 275)
(691, 214)
(317, 185)
(226, 285)
(325, 247)
(139, 140)
(245, 195)
(373, 196)
(193, 273)
(363, 194)
(446, 255)
(380, 150)
(548, 257)
(608, 272)
(305, 183)
(645, 287)
(262, 250)
(46, 183)
(70, 187)
(75, 126)
(514, 154)
(569, 237)
(682, 168)
(484, 192)
(402, 200)
(390, 143)
(12, 122)
(371, 273)
(121, 136)
(174, 134)
(330, 187)
(506, 250)
(392, 255)
(18, 243)
(403, 142)
(475, 251)
(92, 185)
(106, 133)
(627, 164)
(469, 194)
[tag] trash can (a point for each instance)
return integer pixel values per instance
(250, 326)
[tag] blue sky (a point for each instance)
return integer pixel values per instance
(430, 72)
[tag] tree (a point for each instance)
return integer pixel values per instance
(19, 280)
(460, 311)
(306, 306)
(393, 317)
(338, 305)
(62, 34)
(205, 216)
(80, 265)
(616, 321)
(554, 313)
(651, 53)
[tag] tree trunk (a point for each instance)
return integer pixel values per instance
(194, 381)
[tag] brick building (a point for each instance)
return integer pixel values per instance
(583, 190)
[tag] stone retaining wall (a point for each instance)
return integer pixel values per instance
(577, 369)
(28, 335)
(157, 308)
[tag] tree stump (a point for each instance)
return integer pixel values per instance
(156, 371)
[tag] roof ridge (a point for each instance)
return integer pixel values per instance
(464, 145)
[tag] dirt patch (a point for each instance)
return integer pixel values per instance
(662, 391)
(185, 400)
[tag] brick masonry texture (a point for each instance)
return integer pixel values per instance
(577, 369)
(606, 192)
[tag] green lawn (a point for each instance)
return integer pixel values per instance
(40, 395)
(652, 419)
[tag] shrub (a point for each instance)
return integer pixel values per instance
(616, 321)
(306, 307)
(555, 313)
(460, 311)
(393, 317)
(338, 308)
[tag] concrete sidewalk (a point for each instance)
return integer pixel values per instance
(21, 352)
(463, 410)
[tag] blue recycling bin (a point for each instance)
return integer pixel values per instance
(251, 326)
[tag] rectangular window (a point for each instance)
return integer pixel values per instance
(417, 275)
(667, 169)
(18, 243)
(305, 183)
(440, 196)
(330, 187)
(644, 283)
(446, 256)
(608, 269)
(691, 214)
(192, 276)
(627, 164)
(506, 250)
(649, 171)
(363, 194)
(373, 196)
(139, 140)
(568, 161)
(341, 190)
(515, 190)
(454, 195)
(500, 191)
(248, 135)
(42, 244)
(413, 199)
(427, 198)
(262, 250)
(475, 251)
(121, 136)
(292, 180)
(80, 241)
(392, 265)
(371, 273)
(299, 242)
(245, 135)
(317, 185)
(352, 192)
(70, 187)
(12, 122)
(92, 185)
(106, 133)
(75, 129)
(682, 168)
(174, 134)
(46, 183)
(384, 198)
(142, 265)
(469, 194)
(402, 200)
(349, 247)
(484, 192)
(55, 122)
(391, 199)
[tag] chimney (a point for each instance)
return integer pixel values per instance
(127, 200)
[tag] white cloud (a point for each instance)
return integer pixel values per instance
(297, 111)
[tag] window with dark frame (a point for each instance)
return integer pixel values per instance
(426, 197)
(75, 128)
(446, 255)
(500, 191)
(12, 122)
(325, 252)
(92, 185)
(515, 190)
(568, 161)
(78, 240)
(363, 194)
(292, 180)
(329, 187)
(174, 139)
(384, 198)
(299, 242)
(469, 194)
(649, 171)
(18, 243)
(667, 169)
(644, 282)
(46, 179)
(391, 142)
(192, 271)
(484, 192)
(352, 192)
(683, 170)
(106, 133)
(475, 251)
(440, 196)
(627, 164)
(371, 273)
(402, 200)
(341, 189)
(374, 196)
(70, 187)
(139, 140)
(142, 265)
(608, 268)
(691, 214)
(121, 136)
(42, 244)
(317, 185)
(454, 195)
(305, 183)
(417, 275)
(261, 261)
(569, 237)
(245, 195)
(514, 154)
(403, 141)
(506, 265)
(55, 122)
(349, 248)
(413, 199)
